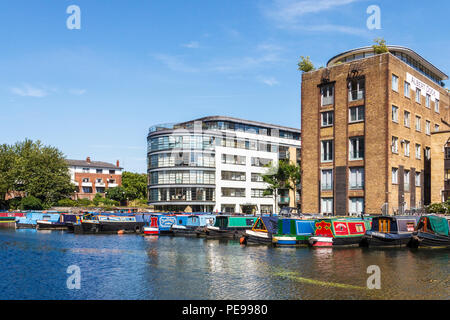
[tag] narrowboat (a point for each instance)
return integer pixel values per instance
(108, 223)
(29, 221)
(390, 231)
(151, 225)
(230, 227)
(194, 224)
(261, 232)
(165, 223)
(10, 216)
(339, 232)
(293, 232)
(431, 231)
(62, 224)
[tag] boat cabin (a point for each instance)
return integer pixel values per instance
(394, 224)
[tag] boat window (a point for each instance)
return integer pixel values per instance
(249, 222)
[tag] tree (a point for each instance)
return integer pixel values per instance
(7, 160)
(31, 203)
(41, 171)
(135, 185)
(380, 46)
(34, 170)
(117, 194)
(305, 64)
(286, 176)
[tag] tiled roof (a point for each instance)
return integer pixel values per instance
(91, 164)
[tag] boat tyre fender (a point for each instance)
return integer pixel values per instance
(95, 229)
(138, 229)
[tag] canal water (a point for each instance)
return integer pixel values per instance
(34, 265)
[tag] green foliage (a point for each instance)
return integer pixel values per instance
(117, 194)
(66, 203)
(31, 203)
(37, 170)
(380, 46)
(135, 185)
(305, 64)
(84, 203)
(439, 207)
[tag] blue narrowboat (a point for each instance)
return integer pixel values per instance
(65, 220)
(191, 224)
(29, 221)
(108, 223)
(160, 224)
(390, 231)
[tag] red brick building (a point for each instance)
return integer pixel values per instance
(92, 177)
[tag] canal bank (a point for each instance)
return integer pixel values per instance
(35, 264)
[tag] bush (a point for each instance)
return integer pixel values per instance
(305, 64)
(438, 208)
(84, 202)
(31, 203)
(67, 203)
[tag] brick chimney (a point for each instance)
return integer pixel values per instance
(88, 159)
(117, 163)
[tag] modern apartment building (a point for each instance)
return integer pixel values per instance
(214, 164)
(92, 177)
(367, 125)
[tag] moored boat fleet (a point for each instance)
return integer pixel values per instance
(429, 230)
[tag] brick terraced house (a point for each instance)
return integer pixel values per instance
(92, 177)
(368, 127)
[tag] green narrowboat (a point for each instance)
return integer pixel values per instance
(229, 227)
(332, 232)
(432, 231)
(293, 232)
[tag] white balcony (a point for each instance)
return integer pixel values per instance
(112, 185)
(86, 184)
(100, 184)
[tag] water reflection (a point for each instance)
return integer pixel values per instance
(137, 267)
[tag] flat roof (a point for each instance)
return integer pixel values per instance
(414, 55)
(243, 121)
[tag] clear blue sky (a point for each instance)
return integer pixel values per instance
(96, 91)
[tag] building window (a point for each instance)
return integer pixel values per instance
(233, 192)
(436, 128)
(85, 170)
(356, 178)
(266, 208)
(406, 89)
(327, 94)
(394, 83)
(233, 176)
(112, 171)
(87, 189)
(447, 153)
(406, 180)
(356, 89)
(418, 151)
(112, 181)
(327, 150)
(417, 179)
(228, 208)
(357, 148)
(99, 171)
(261, 162)
(259, 193)
(326, 206)
(100, 189)
(427, 153)
(395, 114)
(357, 114)
(427, 127)
(85, 180)
(233, 159)
(418, 94)
(99, 180)
(427, 100)
(327, 118)
(326, 180)
(406, 148)
(356, 206)
(395, 175)
(407, 119)
(394, 145)
(257, 177)
(436, 105)
(418, 123)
